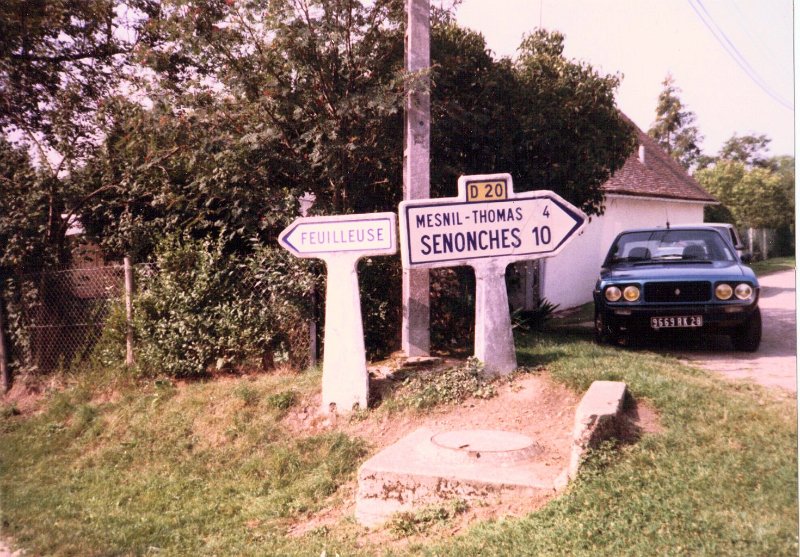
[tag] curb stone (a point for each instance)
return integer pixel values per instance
(596, 419)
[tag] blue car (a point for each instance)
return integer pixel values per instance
(660, 281)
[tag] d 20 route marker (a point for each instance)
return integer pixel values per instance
(487, 226)
(341, 241)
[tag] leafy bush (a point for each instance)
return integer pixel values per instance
(535, 319)
(380, 280)
(452, 305)
(206, 309)
(448, 386)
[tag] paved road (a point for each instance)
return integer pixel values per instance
(775, 362)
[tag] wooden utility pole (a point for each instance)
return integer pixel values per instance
(416, 169)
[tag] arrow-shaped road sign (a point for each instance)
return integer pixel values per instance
(366, 234)
(486, 221)
(487, 226)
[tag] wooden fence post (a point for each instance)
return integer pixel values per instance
(4, 372)
(128, 311)
(306, 202)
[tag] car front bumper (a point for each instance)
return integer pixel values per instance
(637, 317)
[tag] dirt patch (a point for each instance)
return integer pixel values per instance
(531, 404)
(26, 395)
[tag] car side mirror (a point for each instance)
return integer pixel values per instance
(747, 258)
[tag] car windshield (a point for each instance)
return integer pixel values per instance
(669, 245)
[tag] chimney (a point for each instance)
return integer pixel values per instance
(641, 154)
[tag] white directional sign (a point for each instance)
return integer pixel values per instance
(487, 226)
(341, 241)
(486, 221)
(367, 234)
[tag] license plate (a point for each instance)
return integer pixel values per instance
(683, 321)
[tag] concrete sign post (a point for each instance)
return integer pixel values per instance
(487, 226)
(341, 241)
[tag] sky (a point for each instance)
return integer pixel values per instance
(644, 40)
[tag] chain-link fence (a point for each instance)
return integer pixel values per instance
(56, 318)
(63, 313)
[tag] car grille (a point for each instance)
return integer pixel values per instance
(696, 291)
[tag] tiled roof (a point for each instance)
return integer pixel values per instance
(658, 176)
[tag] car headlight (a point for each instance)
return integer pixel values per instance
(724, 291)
(613, 294)
(631, 293)
(744, 291)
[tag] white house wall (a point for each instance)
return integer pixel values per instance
(569, 278)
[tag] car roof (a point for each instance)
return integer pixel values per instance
(705, 226)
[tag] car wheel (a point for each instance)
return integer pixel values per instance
(747, 337)
(602, 333)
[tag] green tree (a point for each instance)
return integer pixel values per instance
(549, 121)
(674, 127)
(756, 197)
(314, 85)
(58, 61)
(750, 150)
(572, 137)
(23, 210)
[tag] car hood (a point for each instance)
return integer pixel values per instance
(677, 271)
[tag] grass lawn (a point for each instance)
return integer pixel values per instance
(210, 468)
(773, 265)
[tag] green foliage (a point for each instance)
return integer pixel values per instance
(23, 211)
(381, 303)
(234, 109)
(549, 121)
(202, 309)
(749, 150)
(756, 197)
(452, 303)
(283, 400)
(59, 59)
(674, 127)
(110, 350)
(573, 135)
(535, 319)
(447, 386)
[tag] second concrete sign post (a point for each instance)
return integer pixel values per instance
(487, 226)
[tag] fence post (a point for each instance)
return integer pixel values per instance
(126, 261)
(306, 202)
(6, 377)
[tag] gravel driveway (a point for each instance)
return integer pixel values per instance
(775, 362)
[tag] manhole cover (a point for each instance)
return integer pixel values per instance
(487, 445)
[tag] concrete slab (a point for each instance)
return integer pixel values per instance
(428, 467)
(596, 418)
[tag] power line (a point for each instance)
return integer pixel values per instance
(768, 52)
(734, 53)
